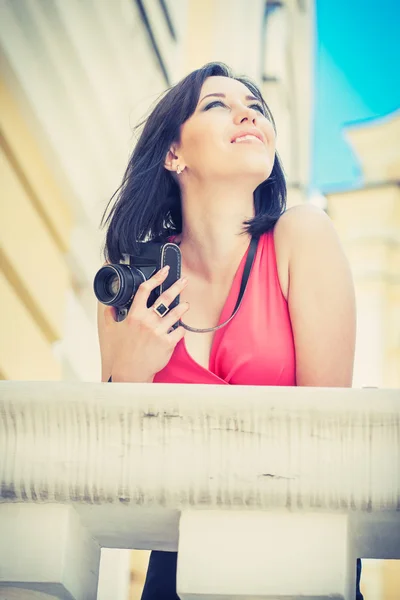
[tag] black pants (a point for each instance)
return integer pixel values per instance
(161, 577)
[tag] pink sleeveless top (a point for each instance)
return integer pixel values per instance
(257, 346)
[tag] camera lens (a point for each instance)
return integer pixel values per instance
(116, 285)
(112, 285)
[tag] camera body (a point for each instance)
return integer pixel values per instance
(116, 284)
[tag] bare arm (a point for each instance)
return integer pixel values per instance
(105, 349)
(321, 300)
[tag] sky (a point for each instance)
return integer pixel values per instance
(357, 78)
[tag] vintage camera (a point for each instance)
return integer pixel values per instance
(116, 284)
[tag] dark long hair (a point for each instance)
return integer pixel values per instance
(148, 202)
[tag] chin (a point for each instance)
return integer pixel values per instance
(257, 172)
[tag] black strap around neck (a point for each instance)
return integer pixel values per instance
(245, 277)
(246, 270)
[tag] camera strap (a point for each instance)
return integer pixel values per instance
(245, 277)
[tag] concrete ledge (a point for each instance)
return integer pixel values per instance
(129, 458)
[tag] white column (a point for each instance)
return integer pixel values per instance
(368, 222)
(115, 571)
(258, 555)
(45, 549)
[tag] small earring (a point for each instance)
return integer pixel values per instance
(178, 170)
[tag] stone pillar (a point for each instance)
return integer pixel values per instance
(265, 555)
(115, 574)
(45, 551)
(368, 223)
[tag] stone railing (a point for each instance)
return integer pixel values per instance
(266, 492)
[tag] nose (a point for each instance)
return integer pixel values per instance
(246, 114)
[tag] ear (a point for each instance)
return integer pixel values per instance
(172, 161)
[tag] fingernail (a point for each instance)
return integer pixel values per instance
(184, 279)
(165, 269)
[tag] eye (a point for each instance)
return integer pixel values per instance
(215, 103)
(258, 107)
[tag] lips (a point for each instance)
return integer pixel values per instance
(249, 132)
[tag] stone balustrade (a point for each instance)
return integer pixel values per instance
(267, 492)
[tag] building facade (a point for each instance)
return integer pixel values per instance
(75, 78)
(368, 221)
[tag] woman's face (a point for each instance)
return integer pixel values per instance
(213, 143)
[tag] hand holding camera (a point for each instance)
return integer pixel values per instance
(140, 326)
(142, 344)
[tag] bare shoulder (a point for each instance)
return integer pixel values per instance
(321, 297)
(302, 225)
(300, 220)
(297, 226)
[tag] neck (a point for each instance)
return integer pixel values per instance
(212, 241)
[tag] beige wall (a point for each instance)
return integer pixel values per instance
(368, 221)
(70, 94)
(35, 224)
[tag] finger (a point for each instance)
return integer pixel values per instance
(173, 316)
(172, 292)
(145, 288)
(176, 335)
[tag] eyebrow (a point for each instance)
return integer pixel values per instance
(224, 96)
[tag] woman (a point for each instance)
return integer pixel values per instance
(206, 174)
